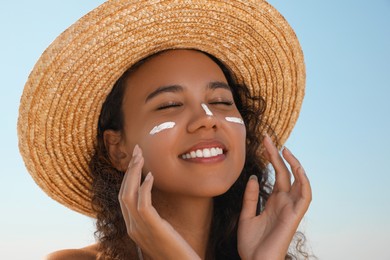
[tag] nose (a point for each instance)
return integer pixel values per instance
(201, 120)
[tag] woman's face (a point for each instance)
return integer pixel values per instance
(182, 88)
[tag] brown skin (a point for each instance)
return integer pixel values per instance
(193, 72)
(182, 189)
(169, 214)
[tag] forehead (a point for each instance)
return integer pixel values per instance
(175, 67)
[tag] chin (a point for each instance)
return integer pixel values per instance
(199, 190)
(214, 190)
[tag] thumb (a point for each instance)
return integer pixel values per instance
(251, 197)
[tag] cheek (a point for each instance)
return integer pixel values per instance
(241, 146)
(158, 147)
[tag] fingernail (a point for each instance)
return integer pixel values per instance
(148, 176)
(253, 177)
(289, 152)
(135, 150)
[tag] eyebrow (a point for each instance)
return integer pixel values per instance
(177, 88)
(218, 84)
(164, 89)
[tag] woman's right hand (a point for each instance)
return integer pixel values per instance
(154, 235)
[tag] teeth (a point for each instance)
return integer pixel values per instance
(204, 153)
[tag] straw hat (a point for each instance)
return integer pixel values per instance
(64, 93)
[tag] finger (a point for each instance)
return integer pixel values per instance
(305, 186)
(128, 194)
(282, 174)
(148, 213)
(251, 198)
(144, 207)
(132, 180)
(301, 188)
(296, 168)
(135, 159)
(292, 160)
(301, 192)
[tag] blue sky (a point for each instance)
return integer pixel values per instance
(341, 136)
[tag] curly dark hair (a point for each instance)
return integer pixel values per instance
(114, 242)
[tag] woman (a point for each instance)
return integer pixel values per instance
(168, 110)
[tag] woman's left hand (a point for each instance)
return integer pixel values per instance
(268, 235)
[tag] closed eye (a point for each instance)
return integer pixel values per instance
(226, 103)
(169, 105)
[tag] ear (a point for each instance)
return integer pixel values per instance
(116, 149)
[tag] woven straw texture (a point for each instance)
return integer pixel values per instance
(64, 93)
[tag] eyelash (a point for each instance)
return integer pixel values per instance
(178, 104)
(169, 105)
(226, 103)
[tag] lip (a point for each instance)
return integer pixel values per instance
(206, 144)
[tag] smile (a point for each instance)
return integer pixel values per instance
(203, 153)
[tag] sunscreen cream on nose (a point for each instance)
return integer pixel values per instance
(206, 109)
(161, 127)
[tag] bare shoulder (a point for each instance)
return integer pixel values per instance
(85, 253)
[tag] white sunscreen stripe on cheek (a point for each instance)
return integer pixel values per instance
(161, 127)
(236, 120)
(206, 109)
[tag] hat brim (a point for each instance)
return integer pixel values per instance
(63, 96)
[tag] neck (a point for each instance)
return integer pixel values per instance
(190, 216)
